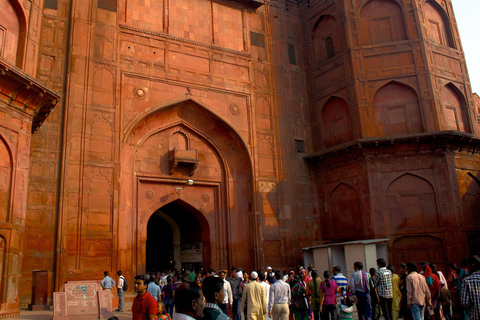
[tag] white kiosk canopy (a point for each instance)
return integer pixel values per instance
(345, 254)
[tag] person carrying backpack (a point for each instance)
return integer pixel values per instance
(122, 286)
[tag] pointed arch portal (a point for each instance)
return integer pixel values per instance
(164, 220)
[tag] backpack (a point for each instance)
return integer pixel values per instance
(125, 284)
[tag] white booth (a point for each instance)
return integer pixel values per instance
(345, 254)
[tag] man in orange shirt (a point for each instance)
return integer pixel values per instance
(144, 305)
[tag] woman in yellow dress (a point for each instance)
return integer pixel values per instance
(397, 295)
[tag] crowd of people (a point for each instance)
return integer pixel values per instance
(411, 293)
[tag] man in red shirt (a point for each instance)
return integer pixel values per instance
(144, 305)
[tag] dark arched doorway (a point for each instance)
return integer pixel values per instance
(159, 244)
(174, 238)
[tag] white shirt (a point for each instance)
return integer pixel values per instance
(120, 282)
(163, 280)
(227, 289)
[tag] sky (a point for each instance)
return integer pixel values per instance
(467, 14)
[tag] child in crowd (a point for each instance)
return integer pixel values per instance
(162, 313)
(446, 301)
(346, 308)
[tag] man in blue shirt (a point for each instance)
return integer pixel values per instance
(107, 283)
(154, 289)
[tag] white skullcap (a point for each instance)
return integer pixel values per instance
(254, 275)
(240, 274)
(269, 268)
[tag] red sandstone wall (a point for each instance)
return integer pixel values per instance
(15, 149)
(390, 85)
(133, 79)
(287, 225)
(318, 74)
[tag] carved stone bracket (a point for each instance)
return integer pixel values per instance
(184, 158)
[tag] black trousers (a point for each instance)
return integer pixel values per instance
(386, 306)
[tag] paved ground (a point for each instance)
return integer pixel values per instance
(126, 315)
(48, 314)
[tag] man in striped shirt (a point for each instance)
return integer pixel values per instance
(340, 279)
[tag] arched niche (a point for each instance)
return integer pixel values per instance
(454, 109)
(5, 180)
(179, 140)
(411, 208)
(397, 110)
(382, 21)
(418, 248)
(438, 28)
(470, 192)
(323, 37)
(336, 123)
(346, 216)
(12, 32)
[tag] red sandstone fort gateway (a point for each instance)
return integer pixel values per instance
(299, 122)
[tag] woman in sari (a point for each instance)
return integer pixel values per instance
(433, 284)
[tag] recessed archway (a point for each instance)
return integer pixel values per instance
(176, 238)
(220, 197)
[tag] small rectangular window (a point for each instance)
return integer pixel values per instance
(51, 4)
(110, 5)
(257, 39)
(300, 146)
(292, 57)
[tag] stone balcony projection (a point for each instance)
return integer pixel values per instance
(188, 158)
